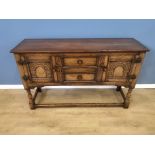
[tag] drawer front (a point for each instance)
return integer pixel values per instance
(79, 68)
(80, 61)
(79, 77)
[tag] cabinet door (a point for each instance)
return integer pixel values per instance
(119, 68)
(38, 68)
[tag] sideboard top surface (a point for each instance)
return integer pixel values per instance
(80, 45)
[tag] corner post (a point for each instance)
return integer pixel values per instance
(127, 98)
(31, 101)
(118, 88)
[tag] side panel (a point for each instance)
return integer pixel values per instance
(21, 70)
(137, 68)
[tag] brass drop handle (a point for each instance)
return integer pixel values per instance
(80, 62)
(79, 77)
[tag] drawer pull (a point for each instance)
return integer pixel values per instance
(79, 77)
(80, 62)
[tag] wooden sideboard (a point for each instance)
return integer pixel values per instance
(100, 61)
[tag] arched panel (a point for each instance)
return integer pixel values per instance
(118, 71)
(40, 72)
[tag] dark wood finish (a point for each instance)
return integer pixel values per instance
(118, 88)
(47, 62)
(79, 45)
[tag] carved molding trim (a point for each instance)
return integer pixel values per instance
(59, 69)
(101, 60)
(58, 61)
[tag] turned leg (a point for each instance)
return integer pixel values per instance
(118, 88)
(39, 89)
(31, 101)
(127, 98)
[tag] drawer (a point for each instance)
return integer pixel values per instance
(79, 77)
(80, 61)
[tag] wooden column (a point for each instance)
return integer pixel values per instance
(127, 98)
(39, 89)
(118, 88)
(31, 101)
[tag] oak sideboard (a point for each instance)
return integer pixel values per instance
(93, 61)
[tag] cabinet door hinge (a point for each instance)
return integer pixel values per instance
(22, 62)
(137, 60)
(25, 77)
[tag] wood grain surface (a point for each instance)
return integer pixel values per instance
(79, 45)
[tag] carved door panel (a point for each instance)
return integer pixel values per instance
(38, 69)
(119, 68)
